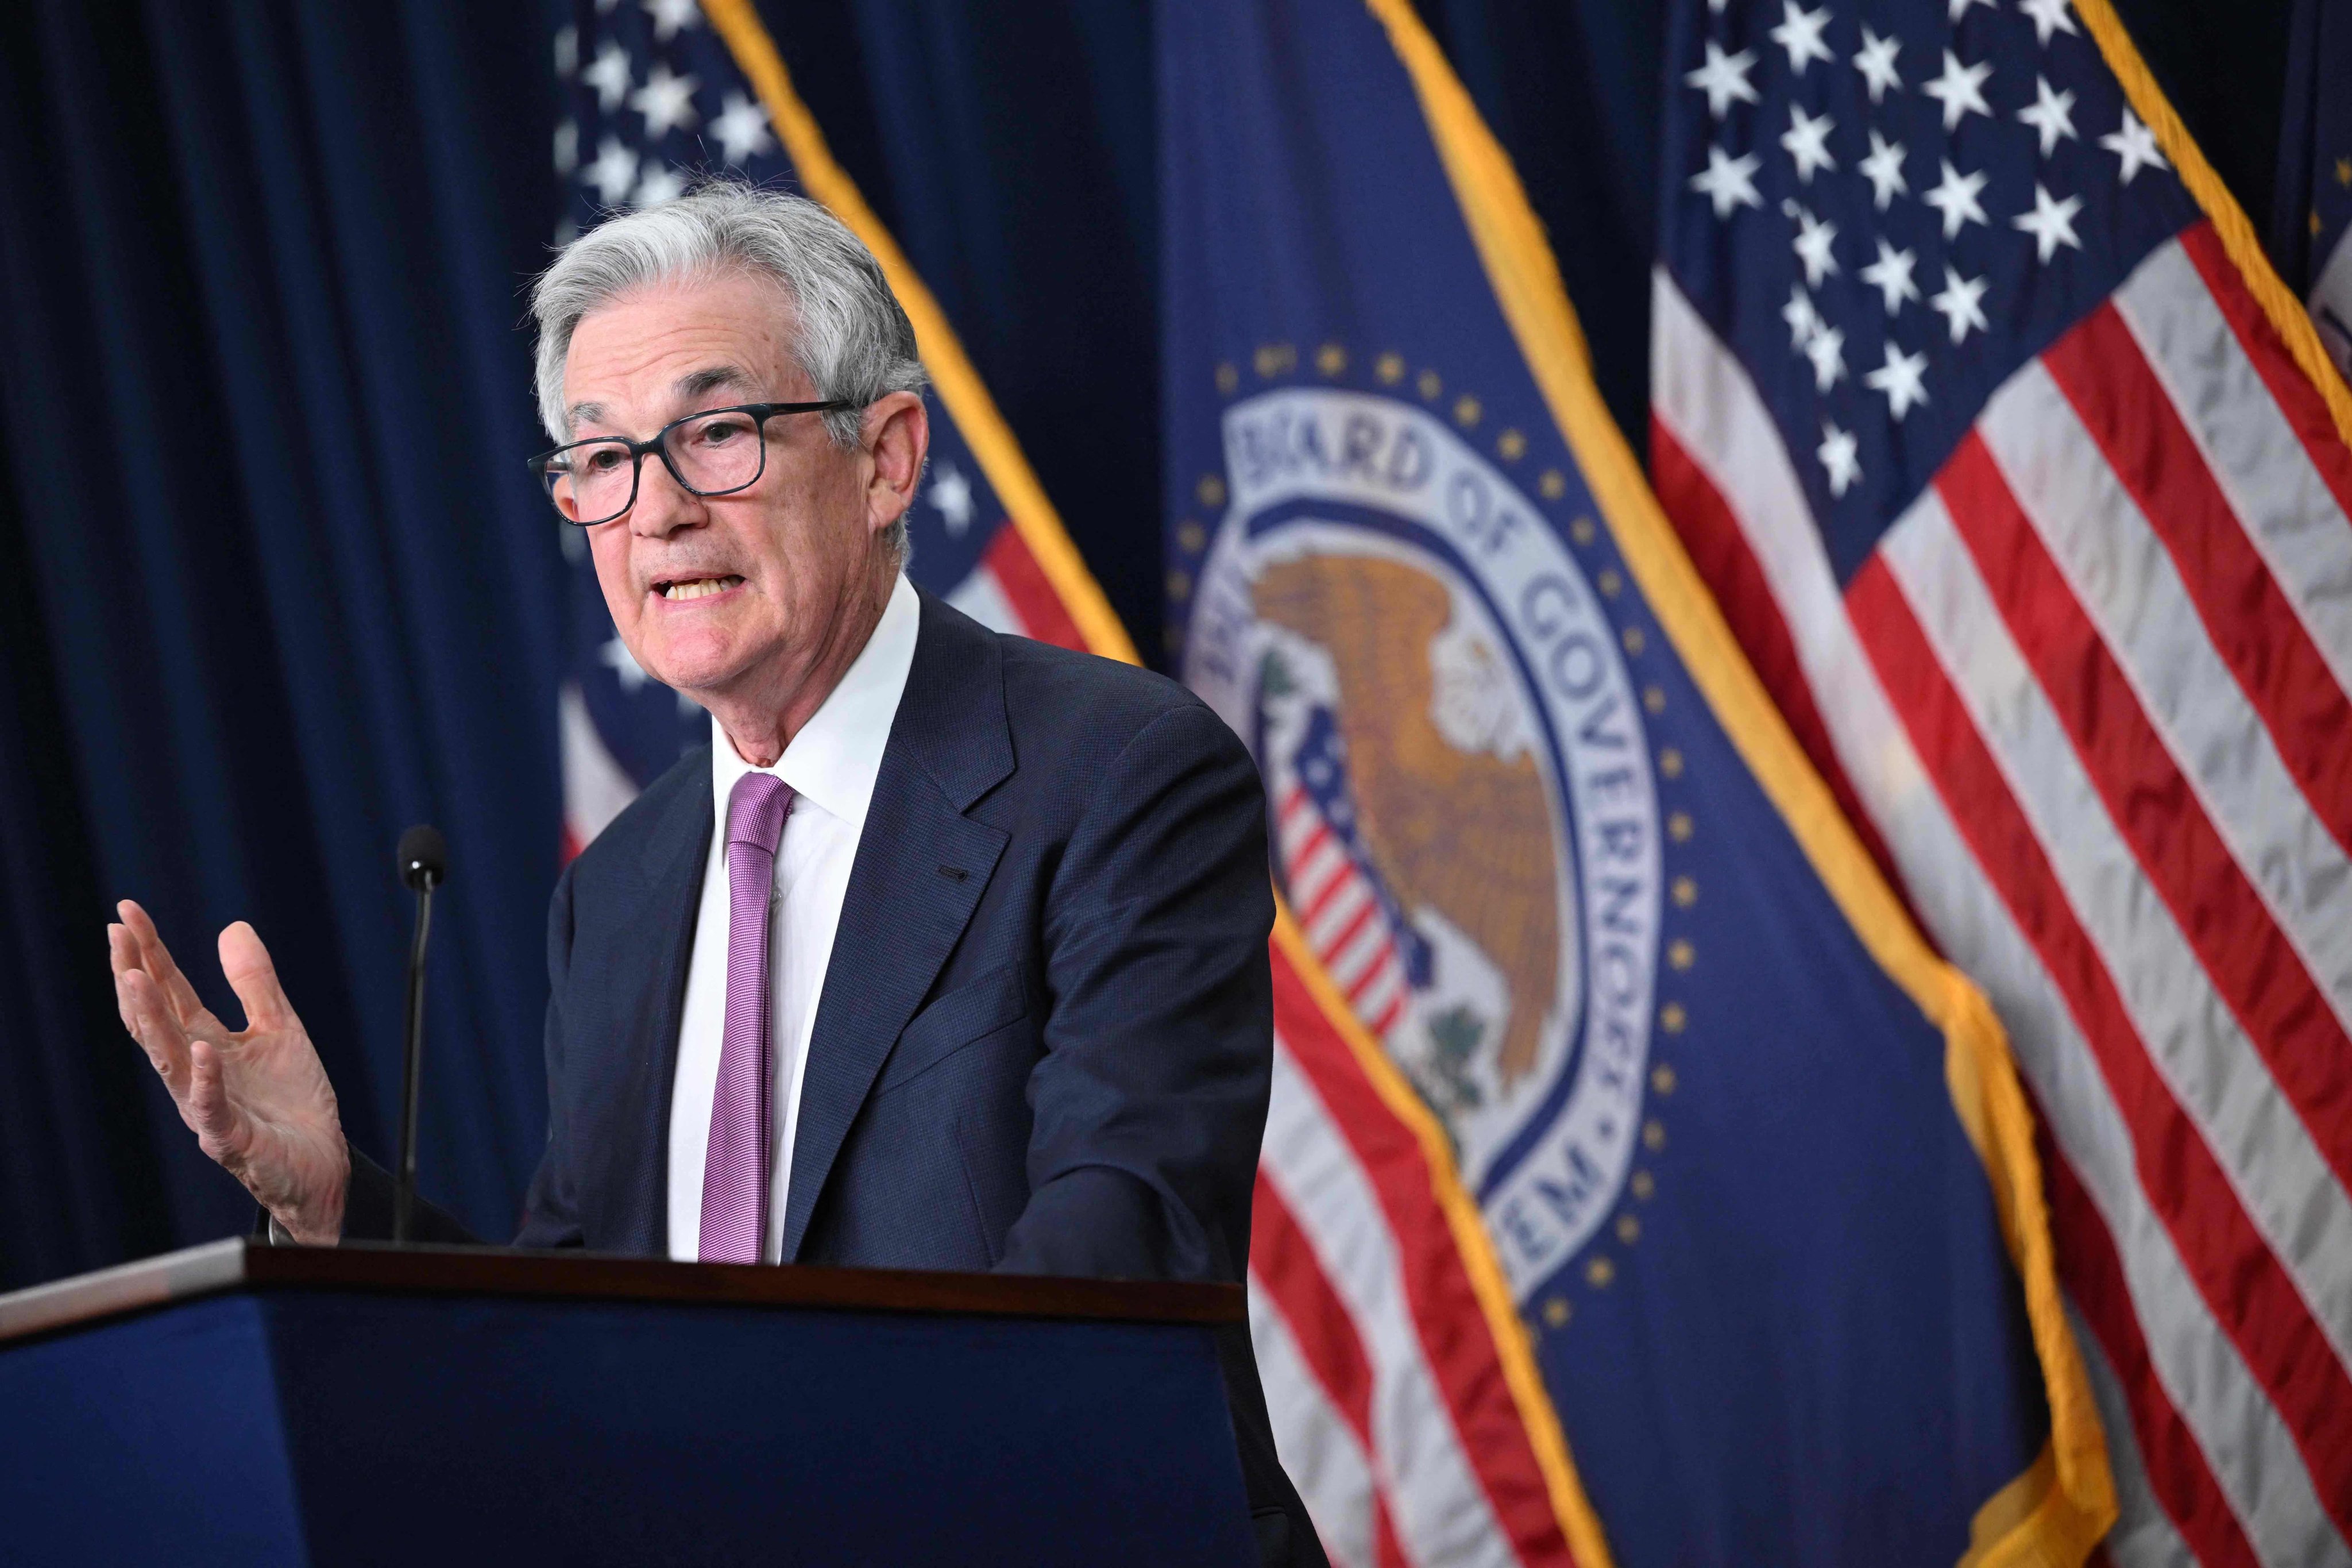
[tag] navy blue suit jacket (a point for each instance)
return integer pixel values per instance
(1045, 1036)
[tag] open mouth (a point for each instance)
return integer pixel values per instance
(678, 588)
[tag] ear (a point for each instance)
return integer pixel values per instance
(897, 434)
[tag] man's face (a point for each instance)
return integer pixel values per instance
(738, 592)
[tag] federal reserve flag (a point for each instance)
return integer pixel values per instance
(656, 95)
(1749, 1162)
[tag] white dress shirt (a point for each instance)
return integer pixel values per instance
(830, 766)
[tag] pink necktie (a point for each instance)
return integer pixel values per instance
(735, 1170)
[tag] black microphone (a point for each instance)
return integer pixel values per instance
(424, 861)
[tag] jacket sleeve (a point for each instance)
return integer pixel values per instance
(368, 1204)
(1149, 1101)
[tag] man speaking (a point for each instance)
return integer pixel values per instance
(948, 952)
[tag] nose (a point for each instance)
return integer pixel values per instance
(663, 506)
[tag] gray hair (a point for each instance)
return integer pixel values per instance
(851, 335)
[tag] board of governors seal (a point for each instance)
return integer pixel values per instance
(1464, 817)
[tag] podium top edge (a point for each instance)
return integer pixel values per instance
(243, 1264)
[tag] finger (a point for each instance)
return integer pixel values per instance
(122, 954)
(254, 978)
(156, 960)
(219, 1124)
(151, 1025)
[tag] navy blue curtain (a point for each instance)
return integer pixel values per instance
(282, 586)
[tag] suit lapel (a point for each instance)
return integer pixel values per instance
(920, 871)
(664, 910)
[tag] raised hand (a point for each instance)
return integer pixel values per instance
(257, 1097)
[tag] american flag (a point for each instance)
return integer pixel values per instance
(655, 94)
(2015, 470)
(1384, 1353)
(1402, 1403)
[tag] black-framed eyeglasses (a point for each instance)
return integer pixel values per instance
(713, 453)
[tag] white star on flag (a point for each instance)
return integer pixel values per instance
(1876, 61)
(660, 183)
(1955, 197)
(614, 171)
(1903, 378)
(2135, 144)
(667, 100)
(1960, 302)
(567, 147)
(2049, 16)
(1840, 458)
(1813, 245)
(624, 665)
(741, 128)
(1884, 170)
(1961, 89)
(1800, 33)
(567, 52)
(609, 75)
(1891, 276)
(1807, 140)
(1724, 77)
(671, 17)
(1957, 9)
(2050, 114)
(2050, 223)
(1802, 318)
(1728, 182)
(1827, 351)
(951, 493)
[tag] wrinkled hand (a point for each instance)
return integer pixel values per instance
(258, 1099)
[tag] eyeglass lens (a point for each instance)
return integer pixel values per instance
(714, 452)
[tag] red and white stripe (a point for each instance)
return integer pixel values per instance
(1391, 1408)
(2088, 700)
(595, 786)
(1007, 591)
(1340, 913)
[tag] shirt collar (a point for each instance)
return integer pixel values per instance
(836, 758)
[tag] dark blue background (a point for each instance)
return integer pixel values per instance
(280, 586)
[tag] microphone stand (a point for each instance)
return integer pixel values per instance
(422, 863)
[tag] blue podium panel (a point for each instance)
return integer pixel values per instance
(285, 1423)
(155, 1440)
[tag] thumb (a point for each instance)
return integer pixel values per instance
(219, 1122)
(254, 978)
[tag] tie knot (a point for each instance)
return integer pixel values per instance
(756, 809)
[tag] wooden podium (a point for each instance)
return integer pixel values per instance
(242, 1403)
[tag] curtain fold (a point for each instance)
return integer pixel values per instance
(266, 410)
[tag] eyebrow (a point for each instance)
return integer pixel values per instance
(693, 383)
(692, 386)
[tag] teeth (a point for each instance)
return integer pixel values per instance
(701, 587)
